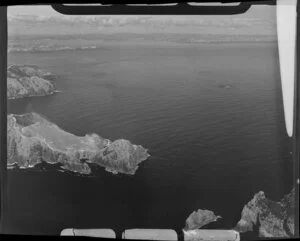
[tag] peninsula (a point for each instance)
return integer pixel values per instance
(32, 139)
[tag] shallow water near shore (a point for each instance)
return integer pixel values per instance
(210, 115)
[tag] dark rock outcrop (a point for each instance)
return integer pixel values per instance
(32, 139)
(274, 219)
(27, 81)
(200, 218)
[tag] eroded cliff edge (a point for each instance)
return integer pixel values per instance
(32, 139)
(27, 81)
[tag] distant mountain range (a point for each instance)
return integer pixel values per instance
(156, 21)
(57, 32)
(257, 22)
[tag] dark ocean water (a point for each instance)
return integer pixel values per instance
(211, 116)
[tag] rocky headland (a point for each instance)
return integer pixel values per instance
(32, 139)
(272, 219)
(28, 81)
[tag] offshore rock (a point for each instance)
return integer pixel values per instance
(200, 218)
(273, 219)
(27, 81)
(32, 139)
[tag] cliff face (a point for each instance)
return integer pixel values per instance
(274, 219)
(26, 81)
(32, 139)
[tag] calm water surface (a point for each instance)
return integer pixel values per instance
(211, 116)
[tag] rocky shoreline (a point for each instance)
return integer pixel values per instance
(29, 81)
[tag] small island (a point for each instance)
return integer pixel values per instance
(28, 81)
(200, 218)
(32, 139)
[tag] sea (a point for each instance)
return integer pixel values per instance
(210, 114)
